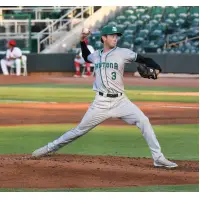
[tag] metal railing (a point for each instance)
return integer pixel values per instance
(168, 44)
(58, 27)
(179, 42)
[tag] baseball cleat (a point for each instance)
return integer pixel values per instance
(163, 162)
(43, 151)
(85, 76)
(77, 76)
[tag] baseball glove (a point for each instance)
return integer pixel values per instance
(146, 72)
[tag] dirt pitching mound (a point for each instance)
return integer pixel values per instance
(78, 171)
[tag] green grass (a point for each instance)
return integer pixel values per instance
(163, 188)
(177, 141)
(81, 95)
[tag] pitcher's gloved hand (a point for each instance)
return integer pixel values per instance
(147, 72)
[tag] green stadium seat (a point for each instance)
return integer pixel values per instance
(153, 22)
(145, 17)
(181, 37)
(120, 27)
(132, 27)
(98, 45)
(194, 12)
(120, 19)
(143, 33)
(127, 23)
(128, 32)
(169, 21)
(139, 23)
(160, 42)
(132, 8)
(173, 38)
(132, 18)
(112, 23)
(157, 12)
(162, 27)
(155, 34)
(126, 45)
(139, 11)
(180, 22)
(128, 13)
(170, 12)
(138, 41)
(195, 22)
(128, 38)
(181, 11)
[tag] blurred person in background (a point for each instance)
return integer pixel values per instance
(13, 57)
(78, 61)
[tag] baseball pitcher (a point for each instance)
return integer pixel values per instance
(110, 100)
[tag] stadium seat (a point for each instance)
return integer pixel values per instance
(128, 13)
(120, 19)
(194, 12)
(138, 40)
(170, 12)
(121, 27)
(145, 18)
(98, 45)
(126, 45)
(181, 12)
(132, 18)
(157, 12)
(112, 23)
(126, 23)
(128, 38)
(132, 27)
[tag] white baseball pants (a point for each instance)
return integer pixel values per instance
(104, 108)
(9, 63)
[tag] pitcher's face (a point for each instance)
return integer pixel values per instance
(110, 40)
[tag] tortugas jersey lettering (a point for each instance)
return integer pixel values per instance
(109, 69)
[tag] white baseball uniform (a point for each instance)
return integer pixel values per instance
(109, 70)
(5, 63)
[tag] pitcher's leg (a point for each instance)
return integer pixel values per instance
(133, 115)
(92, 118)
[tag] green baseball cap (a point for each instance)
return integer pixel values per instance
(110, 30)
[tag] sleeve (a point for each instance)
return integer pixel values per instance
(85, 51)
(148, 61)
(129, 56)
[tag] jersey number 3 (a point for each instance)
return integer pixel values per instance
(113, 75)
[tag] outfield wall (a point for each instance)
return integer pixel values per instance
(170, 63)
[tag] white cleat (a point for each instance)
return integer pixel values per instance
(43, 151)
(77, 76)
(85, 76)
(163, 162)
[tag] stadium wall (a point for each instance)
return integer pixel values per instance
(171, 63)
